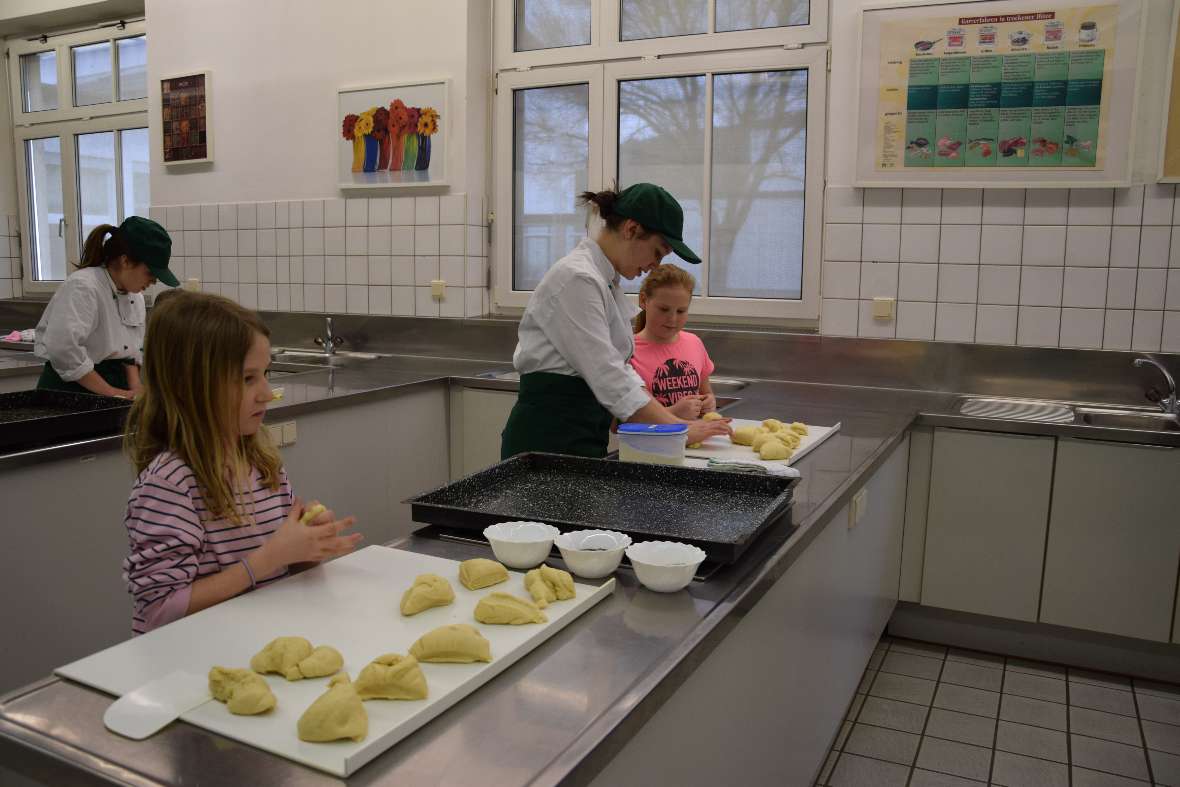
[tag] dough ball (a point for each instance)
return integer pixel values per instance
(481, 573)
(282, 655)
(775, 449)
(243, 691)
(324, 660)
(760, 440)
(744, 435)
(799, 428)
(506, 609)
(457, 643)
(391, 677)
(788, 438)
(547, 585)
(428, 590)
(336, 714)
(693, 445)
(712, 415)
(312, 513)
(773, 424)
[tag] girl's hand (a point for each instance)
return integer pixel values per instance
(295, 542)
(699, 431)
(709, 404)
(688, 408)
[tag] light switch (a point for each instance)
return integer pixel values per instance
(192, 285)
(883, 308)
(275, 432)
(438, 289)
(289, 433)
(857, 508)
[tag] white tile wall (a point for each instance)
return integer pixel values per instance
(11, 285)
(357, 255)
(1089, 268)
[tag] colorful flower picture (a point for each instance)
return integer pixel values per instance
(392, 136)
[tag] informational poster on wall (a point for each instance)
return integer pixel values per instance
(1170, 154)
(995, 93)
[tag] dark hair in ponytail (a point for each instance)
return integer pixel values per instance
(604, 206)
(99, 251)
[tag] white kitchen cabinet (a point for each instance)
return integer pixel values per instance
(916, 505)
(985, 529)
(1114, 539)
(478, 416)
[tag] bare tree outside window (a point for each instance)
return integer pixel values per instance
(549, 24)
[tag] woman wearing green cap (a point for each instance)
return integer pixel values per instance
(91, 333)
(575, 337)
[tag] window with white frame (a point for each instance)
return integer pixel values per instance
(79, 107)
(724, 125)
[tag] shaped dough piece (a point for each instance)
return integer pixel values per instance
(481, 573)
(775, 449)
(428, 590)
(798, 427)
(282, 655)
(693, 445)
(324, 660)
(506, 609)
(712, 415)
(457, 643)
(337, 713)
(312, 513)
(391, 677)
(243, 691)
(547, 585)
(744, 435)
(761, 438)
(774, 425)
(788, 438)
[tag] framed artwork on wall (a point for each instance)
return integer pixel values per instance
(185, 118)
(1002, 93)
(392, 135)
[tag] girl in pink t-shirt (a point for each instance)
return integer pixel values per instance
(672, 362)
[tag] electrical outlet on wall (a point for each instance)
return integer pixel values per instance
(858, 507)
(438, 289)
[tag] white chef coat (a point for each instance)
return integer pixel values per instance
(88, 321)
(578, 323)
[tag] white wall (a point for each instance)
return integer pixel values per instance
(276, 66)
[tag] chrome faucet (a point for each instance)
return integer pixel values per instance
(1168, 405)
(329, 341)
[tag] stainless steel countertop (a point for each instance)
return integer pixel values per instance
(17, 363)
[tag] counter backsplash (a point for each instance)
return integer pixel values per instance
(1084, 268)
(10, 273)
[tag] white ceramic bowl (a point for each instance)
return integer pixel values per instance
(521, 544)
(665, 566)
(592, 553)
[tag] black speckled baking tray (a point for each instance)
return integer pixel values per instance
(39, 418)
(720, 512)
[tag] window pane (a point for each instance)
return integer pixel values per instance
(754, 14)
(132, 53)
(551, 165)
(97, 198)
(38, 79)
(548, 24)
(48, 249)
(662, 141)
(134, 146)
(759, 168)
(93, 81)
(660, 18)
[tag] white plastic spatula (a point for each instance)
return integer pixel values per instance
(156, 704)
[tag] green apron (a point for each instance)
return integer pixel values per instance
(557, 414)
(113, 370)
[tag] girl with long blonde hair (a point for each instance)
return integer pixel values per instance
(212, 513)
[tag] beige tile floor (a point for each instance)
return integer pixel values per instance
(929, 716)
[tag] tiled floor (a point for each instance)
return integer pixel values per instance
(928, 716)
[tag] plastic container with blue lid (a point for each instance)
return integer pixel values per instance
(660, 444)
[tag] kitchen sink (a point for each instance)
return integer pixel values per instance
(1017, 409)
(319, 358)
(720, 384)
(1127, 419)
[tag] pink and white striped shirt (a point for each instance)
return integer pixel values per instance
(173, 542)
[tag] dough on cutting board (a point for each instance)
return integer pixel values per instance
(546, 585)
(798, 427)
(712, 415)
(479, 573)
(508, 610)
(457, 643)
(324, 660)
(744, 435)
(773, 424)
(788, 438)
(243, 691)
(693, 445)
(775, 449)
(312, 513)
(337, 713)
(428, 590)
(391, 677)
(761, 438)
(282, 655)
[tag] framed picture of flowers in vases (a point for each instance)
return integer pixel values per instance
(393, 135)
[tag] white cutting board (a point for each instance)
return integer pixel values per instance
(720, 446)
(351, 604)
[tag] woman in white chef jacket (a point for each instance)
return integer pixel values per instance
(91, 333)
(576, 336)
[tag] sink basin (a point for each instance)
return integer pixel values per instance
(318, 359)
(1128, 419)
(1017, 410)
